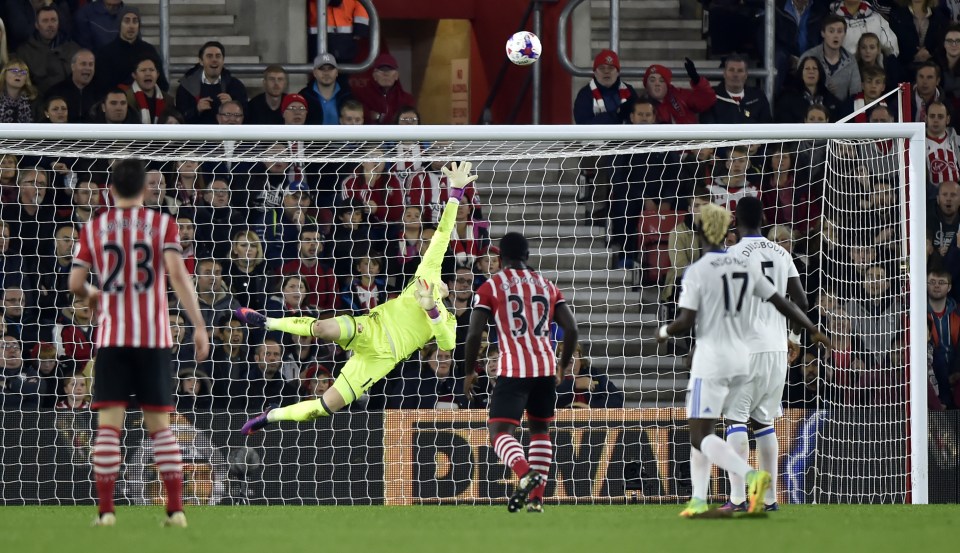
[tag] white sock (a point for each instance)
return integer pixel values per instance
(721, 454)
(768, 451)
(699, 474)
(737, 438)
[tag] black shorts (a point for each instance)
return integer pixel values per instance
(512, 395)
(122, 372)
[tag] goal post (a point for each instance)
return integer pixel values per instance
(529, 183)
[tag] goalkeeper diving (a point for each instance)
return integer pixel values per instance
(388, 335)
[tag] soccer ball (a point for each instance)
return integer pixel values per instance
(523, 48)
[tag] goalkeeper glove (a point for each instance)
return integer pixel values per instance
(459, 175)
(424, 295)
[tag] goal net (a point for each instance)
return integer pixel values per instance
(314, 221)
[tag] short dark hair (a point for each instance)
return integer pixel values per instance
(750, 212)
(830, 19)
(351, 105)
(208, 44)
(129, 178)
(50, 8)
(310, 228)
(514, 246)
(929, 64)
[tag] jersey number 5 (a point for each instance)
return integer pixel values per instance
(518, 322)
(143, 253)
(728, 303)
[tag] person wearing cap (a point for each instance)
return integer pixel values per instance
(97, 23)
(293, 107)
(325, 95)
(264, 108)
(736, 102)
(118, 59)
(384, 96)
(605, 100)
(207, 85)
(678, 105)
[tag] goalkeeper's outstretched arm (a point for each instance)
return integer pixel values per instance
(459, 177)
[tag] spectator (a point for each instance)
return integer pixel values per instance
(604, 99)
(948, 58)
(943, 225)
(319, 279)
(144, 94)
(183, 349)
(470, 237)
(427, 189)
(19, 382)
(352, 113)
(215, 299)
(294, 110)
(293, 300)
(380, 192)
(53, 292)
(216, 219)
(120, 59)
(282, 228)
(78, 89)
(9, 258)
(403, 246)
(193, 390)
(171, 116)
(188, 185)
(350, 239)
(926, 89)
(74, 332)
(17, 319)
(785, 201)
(8, 179)
(231, 113)
(16, 102)
(153, 193)
(683, 247)
(187, 235)
(367, 289)
(247, 269)
(581, 387)
(98, 23)
(264, 108)
(859, 16)
(461, 304)
(875, 317)
(228, 358)
(797, 30)
(49, 371)
(943, 146)
(870, 54)
(919, 27)
(32, 217)
(347, 24)
(55, 110)
(383, 97)
(207, 85)
(419, 380)
(736, 102)
(678, 105)
(115, 110)
(486, 266)
(49, 50)
(843, 74)
(264, 384)
(316, 381)
(944, 324)
(874, 82)
(325, 95)
(728, 189)
(817, 113)
(808, 87)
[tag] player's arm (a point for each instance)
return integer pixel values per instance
(81, 288)
(684, 322)
(187, 294)
(459, 177)
(479, 320)
(792, 312)
(571, 334)
(797, 294)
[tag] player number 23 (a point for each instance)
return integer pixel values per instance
(143, 253)
(518, 323)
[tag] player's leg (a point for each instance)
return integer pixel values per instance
(736, 413)
(707, 399)
(506, 409)
(111, 395)
(540, 412)
(152, 387)
(767, 408)
(327, 329)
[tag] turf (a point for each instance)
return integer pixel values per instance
(590, 529)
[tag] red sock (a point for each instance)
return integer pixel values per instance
(510, 452)
(541, 457)
(166, 455)
(106, 465)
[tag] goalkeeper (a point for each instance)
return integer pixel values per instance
(385, 337)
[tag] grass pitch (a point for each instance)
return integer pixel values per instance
(588, 529)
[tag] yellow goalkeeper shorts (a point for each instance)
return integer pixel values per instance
(373, 354)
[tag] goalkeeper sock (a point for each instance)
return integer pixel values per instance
(106, 465)
(699, 474)
(166, 454)
(721, 454)
(510, 452)
(540, 457)
(303, 411)
(301, 326)
(768, 449)
(737, 438)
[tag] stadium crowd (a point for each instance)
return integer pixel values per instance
(324, 239)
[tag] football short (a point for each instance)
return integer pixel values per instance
(769, 370)
(373, 355)
(124, 372)
(715, 397)
(511, 396)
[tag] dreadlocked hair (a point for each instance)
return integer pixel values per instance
(714, 223)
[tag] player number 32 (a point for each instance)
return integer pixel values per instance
(518, 321)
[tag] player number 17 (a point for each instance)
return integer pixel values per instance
(727, 299)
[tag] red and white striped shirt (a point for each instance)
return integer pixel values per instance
(522, 303)
(125, 248)
(942, 163)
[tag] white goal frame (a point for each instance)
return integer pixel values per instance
(913, 196)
